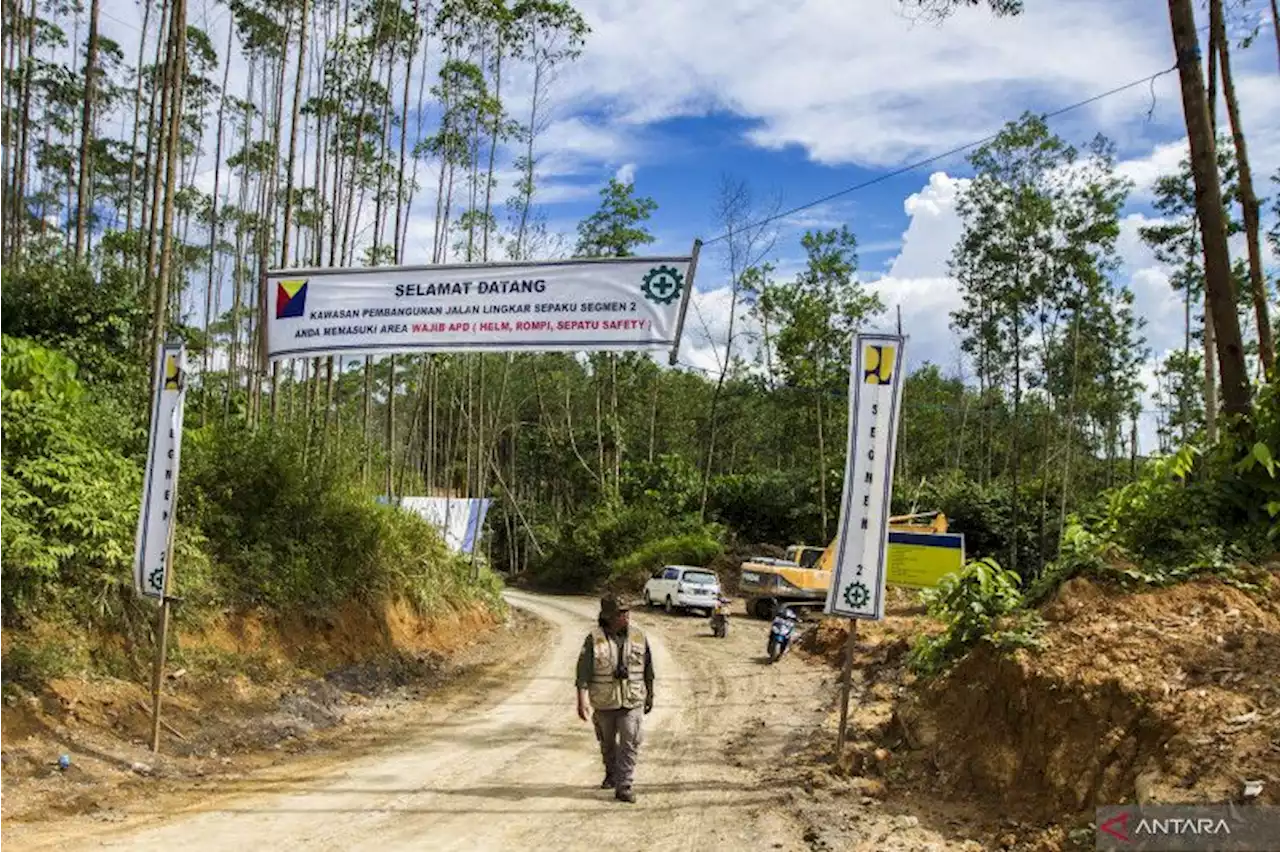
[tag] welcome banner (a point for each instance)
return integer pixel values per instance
(579, 305)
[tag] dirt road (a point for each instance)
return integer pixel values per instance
(520, 771)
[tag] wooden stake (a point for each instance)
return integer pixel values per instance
(846, 683)
(162, 639)
(157, 674)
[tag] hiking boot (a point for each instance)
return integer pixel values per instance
(625, 794)
(608, 783)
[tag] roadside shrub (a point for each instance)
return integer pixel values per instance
(984, 513)
(70, 495)
(287, 528)
(578, 554)
(631, 571)
(774, 507)
(30, 661)
(94, 318)
(981, 603)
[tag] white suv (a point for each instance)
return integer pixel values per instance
(684, 587)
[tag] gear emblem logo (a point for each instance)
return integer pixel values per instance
(857, 595)
(156, 579)
(662, 284)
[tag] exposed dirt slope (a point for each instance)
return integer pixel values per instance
(1169, 695)
(241, 694)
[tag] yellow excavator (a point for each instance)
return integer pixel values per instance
(802, 579)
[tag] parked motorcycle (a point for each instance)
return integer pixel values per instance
(720, 618)
(781, 633)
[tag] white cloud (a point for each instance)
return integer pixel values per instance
(829, 214)
(856, 82)
(626, 173)
(934, 228)
(1144, 171)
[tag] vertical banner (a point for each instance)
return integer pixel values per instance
(160, 483)
(875, 398)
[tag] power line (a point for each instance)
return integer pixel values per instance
(1150, 78)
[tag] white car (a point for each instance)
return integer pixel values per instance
(682, 587)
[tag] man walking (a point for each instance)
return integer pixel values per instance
(615, 674)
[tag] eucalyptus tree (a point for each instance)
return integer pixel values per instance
(1036, 254)
(816, 315)
(1175, 241)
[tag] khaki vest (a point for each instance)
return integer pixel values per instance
(605, 692)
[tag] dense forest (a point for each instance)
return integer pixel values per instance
(354, 111)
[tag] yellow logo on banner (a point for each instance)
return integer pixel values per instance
(172, 373)
(878, 364)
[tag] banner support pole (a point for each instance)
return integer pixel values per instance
(684, 302)
(846, 684)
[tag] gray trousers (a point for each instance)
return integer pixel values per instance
(619, 734)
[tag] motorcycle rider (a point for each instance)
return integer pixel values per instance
(720, 617)
(615, 677)
(786, 619)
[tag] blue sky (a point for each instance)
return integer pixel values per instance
(801, 98)
(806, 97)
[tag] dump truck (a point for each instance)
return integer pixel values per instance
(802, 579)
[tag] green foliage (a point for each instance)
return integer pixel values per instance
(1188, 514)
(580, 552)
(261, 524)
(671, 482)
(617, 229)
(70, 497)
(92, 319)
(631, 571)
(31, 662)
(980, 604)
(295, 536)
(774, 506)
(817, 313)
(984, 513)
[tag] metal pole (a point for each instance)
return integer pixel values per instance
(684, 303)
(846, 683)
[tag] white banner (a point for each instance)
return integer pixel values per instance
(875, 398)
(160, 485)
(459, 519)
(610, 304)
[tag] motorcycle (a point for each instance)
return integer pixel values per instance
(780, 634)
(720, 618)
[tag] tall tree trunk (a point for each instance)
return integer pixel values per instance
(160, 321)
(653, 416)
(1248, 199)
(267, 237)
(822, 469)
(15, 24)
(493, 140)
(19, 224)
(83, 200)
(398, 241)
(1017, 434)
(527, 180)
(155, 145)
(1275, 25)
(137, 108)
(402, 234)
(213, 235)
(1219, 288)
